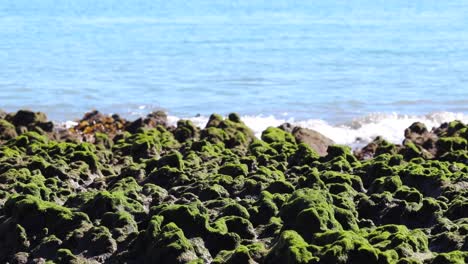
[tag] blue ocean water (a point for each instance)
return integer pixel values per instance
(322, 60)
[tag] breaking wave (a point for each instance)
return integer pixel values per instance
(354, 133)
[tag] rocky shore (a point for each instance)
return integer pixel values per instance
(110, 190)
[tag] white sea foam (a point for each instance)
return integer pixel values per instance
(354, 133)
(69, 124)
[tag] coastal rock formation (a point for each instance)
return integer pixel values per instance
(111, 190)
(310, 137)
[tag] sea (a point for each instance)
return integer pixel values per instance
(351, 70)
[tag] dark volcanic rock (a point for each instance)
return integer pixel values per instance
(420, 136)
(376, 147)
(25, 120)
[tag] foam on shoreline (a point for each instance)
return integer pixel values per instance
(355, 133)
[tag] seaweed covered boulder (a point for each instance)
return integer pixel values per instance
(34, 121)
(146, 143)
(96, 204)
(375, 148)
(290, 248)
(186, 130)
(111, 190)
(167, 244)
(231, 132)
(309, 211)
(345, 247)
(339, 158)
(399, 239)
(188, 217)
(7, 130)
(34, 215)
(250, 254)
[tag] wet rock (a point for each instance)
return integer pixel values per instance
(231, 132)
(7, 130)
(27, 118)
(95, 122)
(378, 146)
(290, 248)
(185, 130)
(20, 258)
(112, 191)
(156, 118)
(422, 137)
(312, 138)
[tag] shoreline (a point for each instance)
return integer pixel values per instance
(111, 190)
(356, 132)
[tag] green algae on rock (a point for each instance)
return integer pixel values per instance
(116, 191)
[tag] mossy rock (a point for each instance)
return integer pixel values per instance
(412, 151)
(173, 160)
(168, 176)
(408, 194)
(170, 246)
(88, 157)
(291, 249)
(346, 218)
(274, 134)
(157, 193)
(146, 143)
(309, 211)
(231, 132)
(458, 208)
(66, 256)
(238, 225)
(454, 257)
(344, 247)
(27, 118)
(329, 177)
(448, 144)
(121, 224)
(303, 155)
(280, 187)
(213, 192)
(427, 179)
(459, 156)
(234, 170)
(388, 183)
(446, 242)
(335, 151)
(127, 185)
(188, 217)
(7, 130)
(185, 130)
(264, 209)
(251, 253)
(13, 239)
(399, 238)
(214, 135)
(214, 120)
(239, 255)
(99, 203)
(235, 209)
(94, 241)
(35, 214)
(183, 195)
(409, 261)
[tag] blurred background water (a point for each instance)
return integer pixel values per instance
(334, 61)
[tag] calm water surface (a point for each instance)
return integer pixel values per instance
(330, 60)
